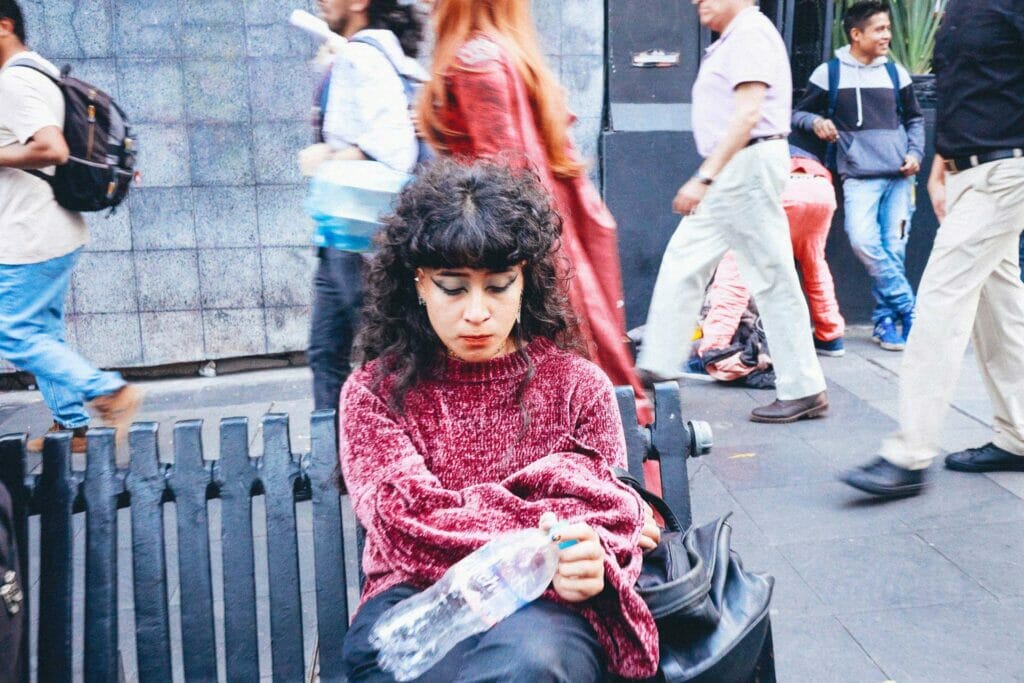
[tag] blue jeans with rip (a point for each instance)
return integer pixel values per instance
(878, 213)
(32, 338)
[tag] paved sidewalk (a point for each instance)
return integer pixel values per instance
(927, 589)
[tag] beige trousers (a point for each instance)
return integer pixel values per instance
(970, 289)
(742, 211)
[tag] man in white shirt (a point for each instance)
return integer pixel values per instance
(39, 244)
(366, 116)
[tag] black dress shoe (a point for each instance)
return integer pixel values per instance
(988, 458)
(781, 412)
(881, 478)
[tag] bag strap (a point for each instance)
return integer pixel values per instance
(29, 64)
(373, 42)
(833, 87)
(894, 76)
(656, 502)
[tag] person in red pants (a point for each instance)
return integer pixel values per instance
(809, 200)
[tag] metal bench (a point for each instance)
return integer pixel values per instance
(282, 480)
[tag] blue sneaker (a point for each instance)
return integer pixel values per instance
(832, 347)
(907, 321)
(886, 336)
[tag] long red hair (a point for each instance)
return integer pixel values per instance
(510, 23)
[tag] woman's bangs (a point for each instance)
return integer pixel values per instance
(467, 244)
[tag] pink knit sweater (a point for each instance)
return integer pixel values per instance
(455, 469)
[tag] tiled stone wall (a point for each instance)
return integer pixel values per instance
(210, 258)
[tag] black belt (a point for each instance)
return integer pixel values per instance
(766, 138)
(963, 163)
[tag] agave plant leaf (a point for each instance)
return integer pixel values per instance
(914, 24)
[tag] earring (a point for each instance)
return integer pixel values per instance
(519, 315)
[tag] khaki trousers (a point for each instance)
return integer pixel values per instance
(742, 211)
(971, 289)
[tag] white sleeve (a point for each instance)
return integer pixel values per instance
(368, 108)
(27, 108)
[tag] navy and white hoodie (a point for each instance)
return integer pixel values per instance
(873, 142)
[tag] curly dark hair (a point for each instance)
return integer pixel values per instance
(459, 215)
(405, 22)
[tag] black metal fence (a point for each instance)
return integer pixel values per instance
(235, 478)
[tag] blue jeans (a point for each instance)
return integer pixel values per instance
(337, 298)
(32, 338)
(878, 213)
(543, 641)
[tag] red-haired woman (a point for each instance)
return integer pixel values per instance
(492, 95)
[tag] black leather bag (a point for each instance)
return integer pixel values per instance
(712, 615)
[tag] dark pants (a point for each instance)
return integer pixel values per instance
(338, 295)
(543, 642)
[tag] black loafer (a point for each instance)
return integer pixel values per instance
(881, 478)
(988, 458)
(781, 412)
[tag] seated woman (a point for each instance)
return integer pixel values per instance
(472, 416)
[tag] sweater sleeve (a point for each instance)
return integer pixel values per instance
(913, 120)
(814, 102)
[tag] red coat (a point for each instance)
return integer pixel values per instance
(489, 114)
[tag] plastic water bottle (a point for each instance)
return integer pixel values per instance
(473, 595)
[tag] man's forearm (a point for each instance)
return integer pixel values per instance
(31, 156)
(736, 137)
(938, 173)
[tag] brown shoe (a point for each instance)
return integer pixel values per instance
(78, 441)
(118, 409)
(781, 412)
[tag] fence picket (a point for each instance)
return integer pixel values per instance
(236, 476)
(146, 486)
(279, 476)
(101, 489)
(328, 546)
(56, 495)
(670, 439)
(636, 445)
(12, 474)
(190, 477)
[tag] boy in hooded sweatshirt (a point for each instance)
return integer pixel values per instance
(876, 128)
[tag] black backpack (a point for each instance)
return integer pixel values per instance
(101, 167)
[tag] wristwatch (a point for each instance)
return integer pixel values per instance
(703, 178)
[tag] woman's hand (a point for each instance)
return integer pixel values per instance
(580, 572)
(651, 533)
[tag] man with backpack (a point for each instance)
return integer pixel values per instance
(863, 105)
(364, 105)
(40, 242)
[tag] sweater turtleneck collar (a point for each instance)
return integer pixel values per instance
(509, 366)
